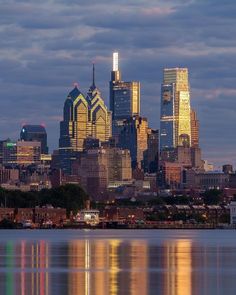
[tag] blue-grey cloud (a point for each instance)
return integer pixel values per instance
(48, 45)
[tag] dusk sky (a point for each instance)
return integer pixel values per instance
(48, 45)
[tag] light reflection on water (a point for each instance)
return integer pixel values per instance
(117, 262)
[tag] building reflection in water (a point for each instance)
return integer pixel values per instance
(178, 266)
(26, 269)
(108, 267)
(115, 267)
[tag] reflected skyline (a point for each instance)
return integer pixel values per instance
(94, 266)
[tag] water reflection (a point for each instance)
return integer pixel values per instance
(116, 266)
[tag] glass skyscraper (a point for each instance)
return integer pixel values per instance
(124, 97)
(175, 109)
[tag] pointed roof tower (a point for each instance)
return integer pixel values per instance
(93, 88)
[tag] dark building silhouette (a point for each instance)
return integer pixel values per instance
(133, 137)
(151, 155)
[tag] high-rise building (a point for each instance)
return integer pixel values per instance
(21, 153)
(133, 137)
(84, 116)
(100, 166)
(124, 97)
(194, 129)
(175, 109)
(35, 133)
(151, 155)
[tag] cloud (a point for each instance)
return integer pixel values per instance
(47, 45)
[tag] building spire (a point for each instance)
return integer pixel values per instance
(115, 61)
(93, 76)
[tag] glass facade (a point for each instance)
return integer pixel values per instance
(175, 109)
(124, 100)
(167, 134)
(83, 117)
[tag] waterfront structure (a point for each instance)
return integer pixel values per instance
(175, 109)
(88, 216)
(84, 116)
(232, 207)
(36, 215)
(124, 97)
(35, 133)
(21, 153)
(134, 137)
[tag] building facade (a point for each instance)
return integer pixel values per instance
(100, 166)
(84, 116)
(194, 129)
(35, 133)
(134, 137)
(124, 97)
(151, 155)
(175, 109)
(21, 153)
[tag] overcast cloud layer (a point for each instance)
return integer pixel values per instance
(47, 45)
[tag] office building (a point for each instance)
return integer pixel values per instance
(170, 175)
(151, 155)
(194, 129)
(134, 137)
(175, 109)
(21, 153)
(84, 116)
(35, 133)
(124, 97)
(100, 166)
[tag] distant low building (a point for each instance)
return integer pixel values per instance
(206, 180)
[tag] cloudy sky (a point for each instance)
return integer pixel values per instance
(47, 45)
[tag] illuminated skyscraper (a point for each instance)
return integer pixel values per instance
(84, 116)
(175, 109)
(124, 97)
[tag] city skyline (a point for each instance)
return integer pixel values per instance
(41, 57)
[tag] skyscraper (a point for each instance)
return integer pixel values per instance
(175, 109)
(133, 137)
(151, 155)
(84, 116)
(35, 133)
(124, 97)
(194, 129)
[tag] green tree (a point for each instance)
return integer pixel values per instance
(212, 197)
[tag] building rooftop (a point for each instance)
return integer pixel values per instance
(33, 128)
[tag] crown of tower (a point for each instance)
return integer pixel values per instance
(93, 90)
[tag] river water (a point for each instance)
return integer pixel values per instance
(140, 262)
